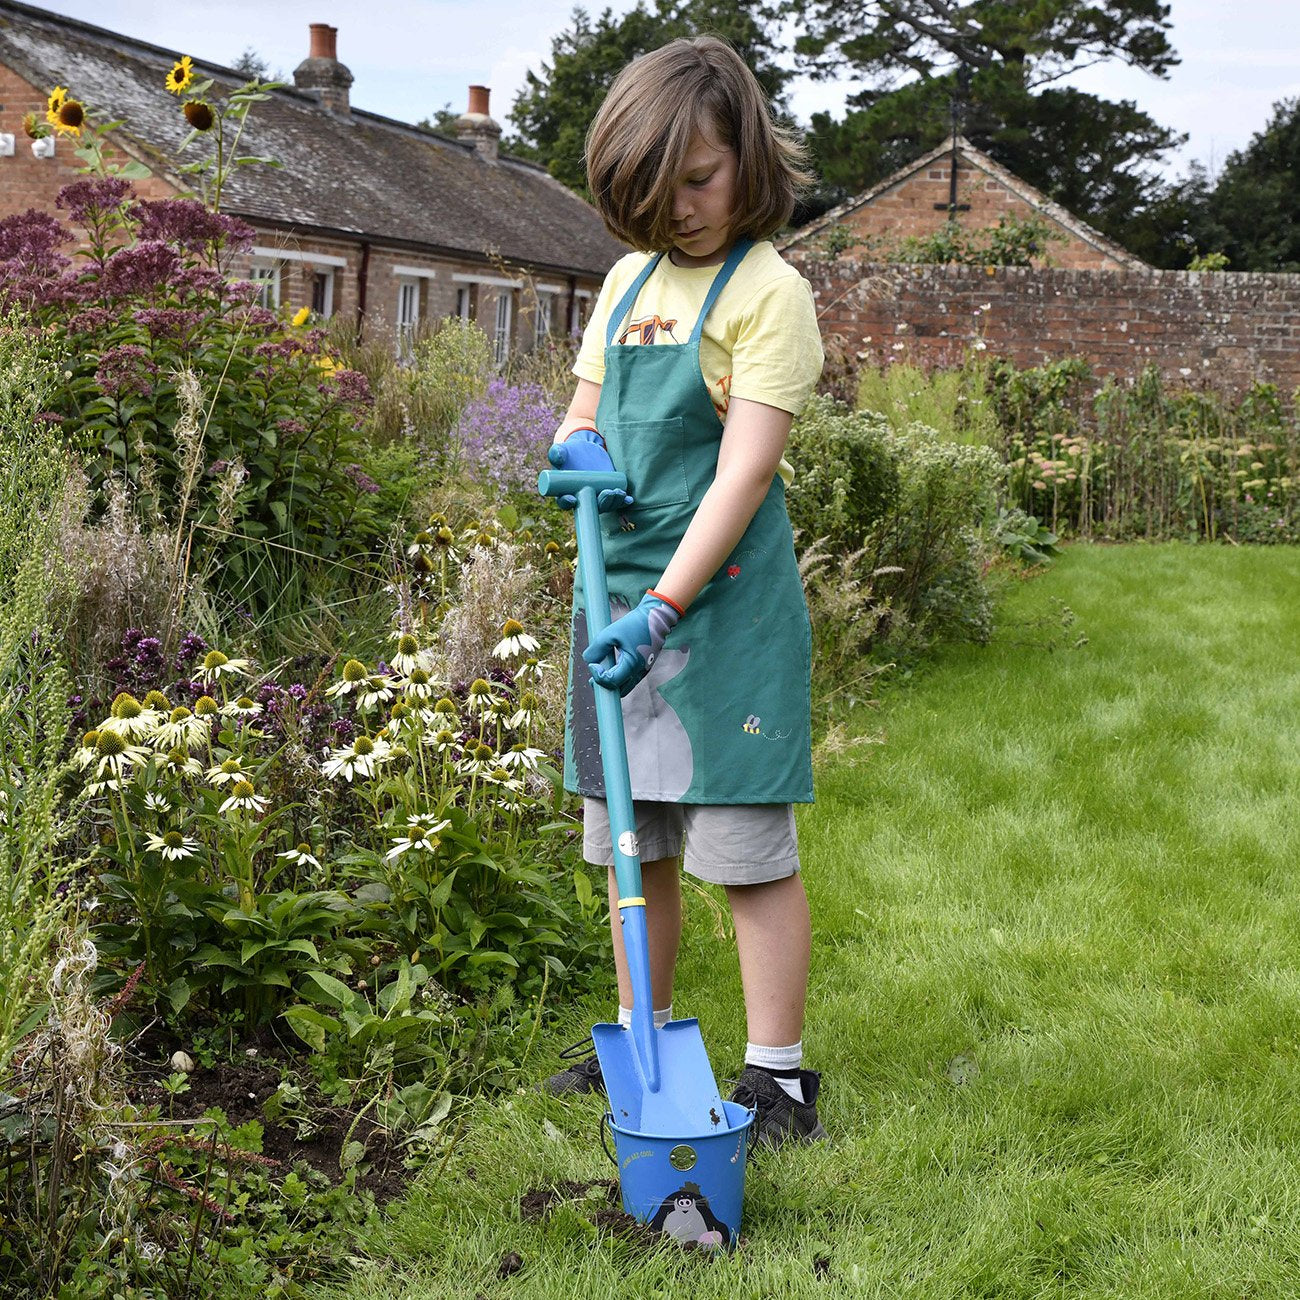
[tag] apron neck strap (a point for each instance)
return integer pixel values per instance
(725, 272)
(628, 300)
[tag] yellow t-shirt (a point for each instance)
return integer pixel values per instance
(760, 342)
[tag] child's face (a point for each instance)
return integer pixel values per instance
(704, 200)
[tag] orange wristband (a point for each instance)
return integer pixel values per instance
(659, 595)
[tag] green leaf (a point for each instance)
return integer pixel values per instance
(334, 989)
(310, 1025)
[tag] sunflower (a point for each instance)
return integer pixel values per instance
(58, 97)
(70, 118)
(199, 115)
(181, 77)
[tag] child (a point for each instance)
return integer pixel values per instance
(695, 361)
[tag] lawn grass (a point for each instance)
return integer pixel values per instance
(1056, 988)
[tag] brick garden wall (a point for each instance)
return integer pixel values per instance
(1227, 328)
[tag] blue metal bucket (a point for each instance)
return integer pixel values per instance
(690, 1187)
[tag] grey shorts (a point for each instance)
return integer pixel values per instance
(726, 844)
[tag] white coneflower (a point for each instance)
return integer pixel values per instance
(355, 674)
(157, 803)
(87, 753)
(476, 758)
(532, 670)
(179, 762)
(130, 718)
(216, 664)
(181, 730)
(244, 707)
(361, 758)
(443, 741)
(377, 689)
(499, 777)
(447, 712)
(417, 684)
(524, 757)
(301, 856)
(525, 715)
(101, 787)
(420, 836)
(172, 845)
(409, 656)
(421, 544)
(227, 771)
(115, 754)
(242, 796)
(206, 707)
(481, 696)
(514, 641)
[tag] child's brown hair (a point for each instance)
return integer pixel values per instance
(657, 105)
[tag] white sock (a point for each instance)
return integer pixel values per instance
(662, 1016)
(782, 1063)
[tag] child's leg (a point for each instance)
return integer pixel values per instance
(774, 940)
(661, 885)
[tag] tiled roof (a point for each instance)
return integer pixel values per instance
(359, 174)
(974, 157)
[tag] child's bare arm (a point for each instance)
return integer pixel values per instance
(582, 410)
(753, 443)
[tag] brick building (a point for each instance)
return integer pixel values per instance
(916, 200)
(390, 223)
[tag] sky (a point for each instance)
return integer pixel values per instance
(410, 59)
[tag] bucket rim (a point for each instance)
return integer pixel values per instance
(728, 1108)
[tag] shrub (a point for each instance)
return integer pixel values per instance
(504, 434)
(909, 506)
(283, 452)
(1142, 459)
(1014, 241)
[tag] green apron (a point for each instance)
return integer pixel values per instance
(723, 716)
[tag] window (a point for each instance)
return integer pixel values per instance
(542, 325)
(463, 298)
(266, 275)
(408, 316)
(322, 293)
(580, 309)
(501, 338)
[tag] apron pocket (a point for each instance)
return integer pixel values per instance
(652, 453)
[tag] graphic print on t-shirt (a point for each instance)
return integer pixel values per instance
(648, 329)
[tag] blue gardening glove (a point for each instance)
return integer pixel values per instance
(634, 640)
(584, 449)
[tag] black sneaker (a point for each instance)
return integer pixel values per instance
(582, 1076)
(780, 1118)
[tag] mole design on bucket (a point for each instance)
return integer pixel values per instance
(685, 1216)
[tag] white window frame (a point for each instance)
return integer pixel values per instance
(580, 297)
(505, 315)
(408, 321)
(323, 276)
(544, 319)
(464, 301)
(266, 275)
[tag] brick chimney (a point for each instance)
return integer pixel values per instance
(476, 127)
(321, 74)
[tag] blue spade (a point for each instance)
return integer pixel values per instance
(659, 1081)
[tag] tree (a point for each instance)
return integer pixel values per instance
(1089, 154)
(254, 67)
(551, 114)
(1250, 213)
